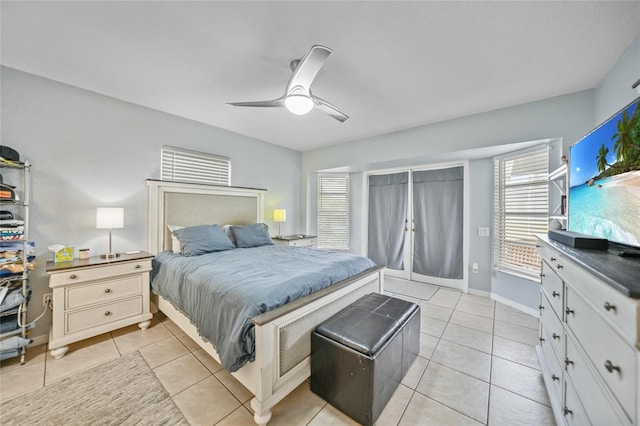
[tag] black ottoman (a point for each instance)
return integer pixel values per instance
(360, 355)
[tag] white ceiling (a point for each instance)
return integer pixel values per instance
(395, 65)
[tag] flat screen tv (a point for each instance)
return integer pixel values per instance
(604, 180)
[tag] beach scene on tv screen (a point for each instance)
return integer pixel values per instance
(604, 180)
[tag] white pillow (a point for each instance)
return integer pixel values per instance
(175, 243)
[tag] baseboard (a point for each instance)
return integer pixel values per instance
(39, 340)
(523, 308)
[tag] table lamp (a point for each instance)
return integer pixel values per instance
(109, 218)
(279, 216)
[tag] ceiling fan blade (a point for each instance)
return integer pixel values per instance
(274, 103)
(329, 109)
(308, 68)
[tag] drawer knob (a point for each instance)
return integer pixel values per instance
(559, 266)
(541, 307)
(138, 266)
(553, 259)
(107, 290)
(556, 336)
(609, 307)
(610, 367)
(555, 378)
(73, 276)
(569, 311)
(555, 294)
(541, 339)
(567, 411)
(542, 275)
(107, 313)
(568, 362)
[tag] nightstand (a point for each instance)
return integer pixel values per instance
(297, 240)
(94, 296)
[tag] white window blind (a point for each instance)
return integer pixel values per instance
(521, 210)
(333, 211)
(183, 165)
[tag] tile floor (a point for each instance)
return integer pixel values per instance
(477, 365)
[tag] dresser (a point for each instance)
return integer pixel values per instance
(297, 240)
(589, 335)
(94, 296)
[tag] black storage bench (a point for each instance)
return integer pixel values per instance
(360, 355)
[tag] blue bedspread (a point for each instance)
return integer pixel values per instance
(220, 292)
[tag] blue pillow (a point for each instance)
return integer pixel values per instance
(201, 239)
(254, 235)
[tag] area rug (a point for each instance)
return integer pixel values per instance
(121, 392)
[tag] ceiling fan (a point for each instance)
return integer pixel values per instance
(298, 98)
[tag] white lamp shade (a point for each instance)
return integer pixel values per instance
(109, 217)
(279, 215)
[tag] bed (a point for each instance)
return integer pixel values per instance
(281, 336)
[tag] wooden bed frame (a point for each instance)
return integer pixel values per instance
(282, 342)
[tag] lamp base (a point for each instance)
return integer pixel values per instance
(109, 255)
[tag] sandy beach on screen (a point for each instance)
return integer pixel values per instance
(630, 181)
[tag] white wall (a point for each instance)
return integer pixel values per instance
(90, 150)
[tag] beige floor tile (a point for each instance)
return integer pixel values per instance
(171, 326)
(298, 408)
(181, 373)
(81, 356)
(240, 417)
(424, 411)
(428, 344)
(407, 298)
(469, 307)
(188, 341)
(476, 322)
(468, 337)
(329, 415)
(517, 318)
(519, 379)
(434, 311)
(208, 361)
(515, 351)
(432, 326)
(163, 351)
(415, 372)
(392, 413)
(463, 393)
(474, 298)
(132, 338)
(17, 379)
(445, 298)
(234, 386)
(206, 403)
(516, 332)
(508, 408)
(463, 359)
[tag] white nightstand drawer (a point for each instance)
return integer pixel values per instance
(552, 327)
(553, 363)
(83, 295)
(573, 412)
(306, 242)
(103, 314)
(615, 361)
(79, 275)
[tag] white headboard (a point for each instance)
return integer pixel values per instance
(188, 204)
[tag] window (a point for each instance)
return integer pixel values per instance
(521, 210)
(333, 211)
(183, 165)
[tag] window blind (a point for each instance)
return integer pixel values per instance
(183, 165)
(333, 211)
(521, 210)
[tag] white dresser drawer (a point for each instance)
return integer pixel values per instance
(552, 327)
(573, 411)
(92, 274)
(600, 408)
(553, 364)
(103, 314)
(618, 309)
(612, 357)
(88, 294)
(554, 288)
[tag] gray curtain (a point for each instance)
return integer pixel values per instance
(437, 215)
(387, 217)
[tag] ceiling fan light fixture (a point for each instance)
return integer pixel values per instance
(298, 104)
